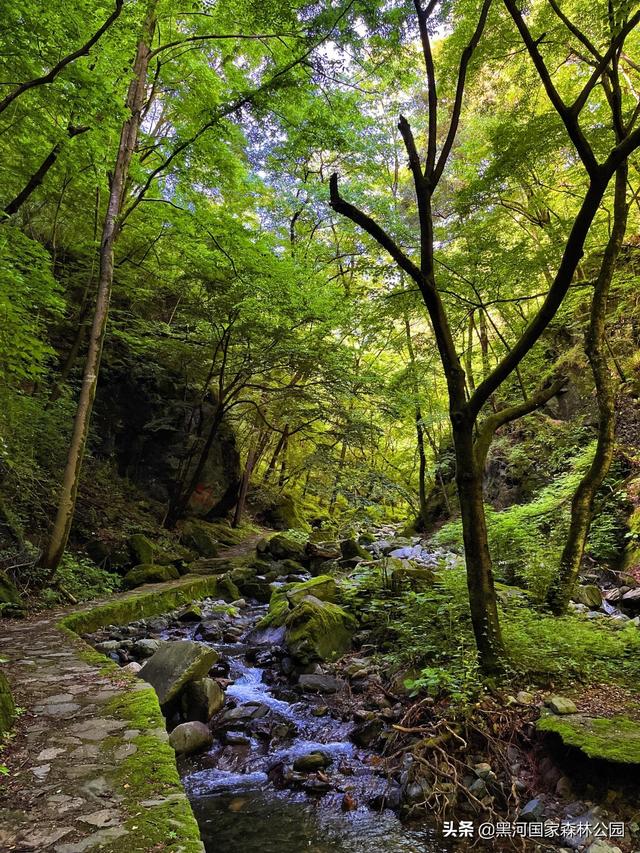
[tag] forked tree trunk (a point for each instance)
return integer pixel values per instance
(110, 231)
(596, 349)
(256, 451)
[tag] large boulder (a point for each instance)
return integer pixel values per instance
(154, 427)
(323, 587)
(281, 547)
(319, 554)
(351, 550)
(190, 737)
(142, 548)
(200, 536)
(318, 630)
(283, 513)
(174, 665)
(202, 699)
(589, 595)
(149, 573)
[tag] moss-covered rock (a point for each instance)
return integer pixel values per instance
(228, 589)
(142, 548)
(318, 630)
(9, 591)
(7, 706)
(284, 513)
(350, 549)
(225, 534)
(588, 595)
(279, 609)
(149, 573)
(408, 575)
(615, 739)
(174, 665)
(323, 587)
(200, 535)
(281, 547)
(258, 588)
(140, 604)
(243, 574)
(291, 567)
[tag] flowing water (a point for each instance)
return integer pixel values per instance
(240, 793)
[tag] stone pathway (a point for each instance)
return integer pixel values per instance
(90, 766)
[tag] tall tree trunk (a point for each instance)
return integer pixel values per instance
(468, 352)
(271, 467)
(422, 467)
(283, 462)
(484, 342)
(110, 231)
(422, 457)
(596, 350)
(256, 451)
(338, 477)
(482, 598)
(244, 486)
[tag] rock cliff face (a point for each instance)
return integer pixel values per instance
(155, 428)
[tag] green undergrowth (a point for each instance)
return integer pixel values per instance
(526, 539)
(7, 705)
(80, 577)
(429, 636)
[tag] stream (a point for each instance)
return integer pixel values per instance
(244, 795)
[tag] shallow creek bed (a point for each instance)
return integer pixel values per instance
(286, 768)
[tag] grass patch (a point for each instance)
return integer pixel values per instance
(430, 633)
